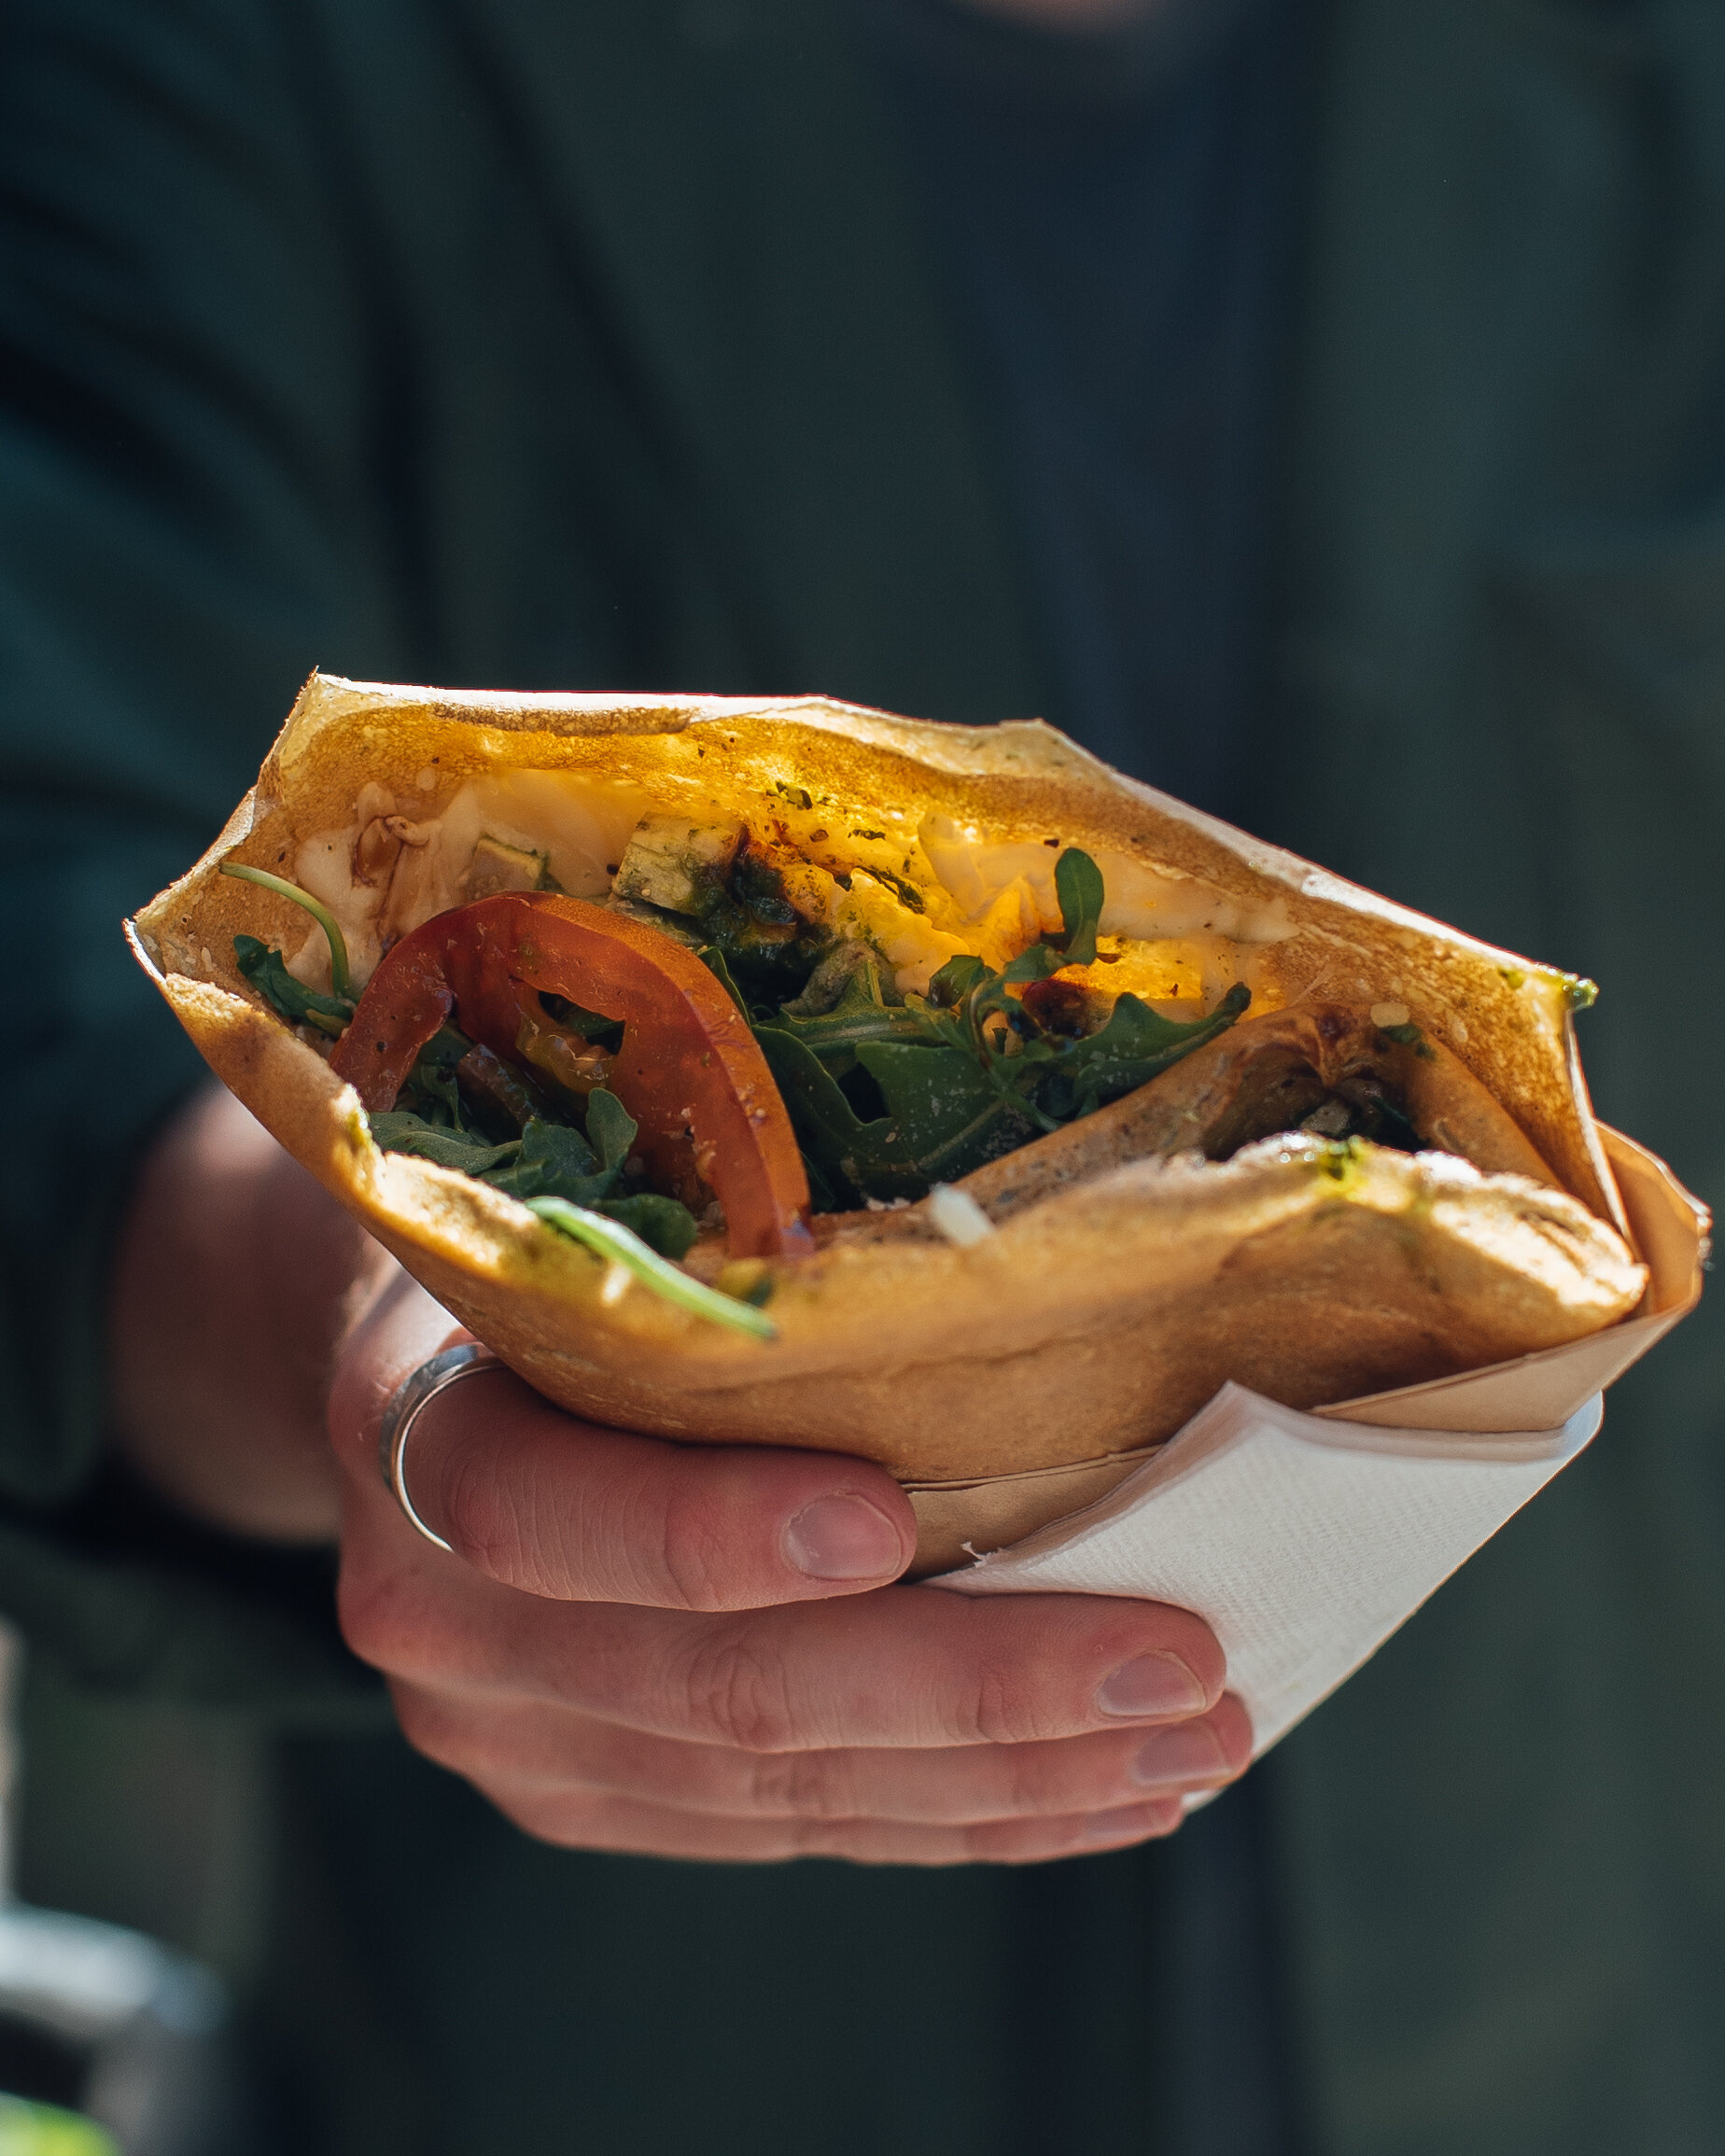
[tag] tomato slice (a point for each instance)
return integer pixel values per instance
(690, 1072)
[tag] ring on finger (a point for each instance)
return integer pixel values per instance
(408, 1401)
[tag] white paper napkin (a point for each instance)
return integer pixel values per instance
(1303, 1543)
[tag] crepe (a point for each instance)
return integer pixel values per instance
(1116, 1276)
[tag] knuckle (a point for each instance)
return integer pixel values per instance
(802, 1786)
(384, 1620)
(1035, 1782)
(776, 1785)
(433, 1733)
(1005, 1705)
(737, 1693)
(479, 1519)
(693, 1550)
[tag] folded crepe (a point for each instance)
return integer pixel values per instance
(985, 1110)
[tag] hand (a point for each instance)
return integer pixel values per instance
(235, 1276)
(638, 1646)
(695, 1652)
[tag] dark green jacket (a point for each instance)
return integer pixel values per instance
(593, 345)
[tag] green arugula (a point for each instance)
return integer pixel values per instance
(943, 1116)
(1135, 1047)
(610, 1128)
(860, 1016)
(551, 1160)
(399, 1130)
(616, 1240)
(887, 1095)
(1078, 887)
(340, 979)
(712, 957)
(267, 972)
(431, 1090)
(968, 1071)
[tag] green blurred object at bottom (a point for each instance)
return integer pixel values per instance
(42, 2130)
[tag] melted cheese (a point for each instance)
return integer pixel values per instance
(1173, 940)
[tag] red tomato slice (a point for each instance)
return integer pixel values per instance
(689, 1071)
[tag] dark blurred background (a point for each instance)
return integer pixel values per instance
(1317, 407)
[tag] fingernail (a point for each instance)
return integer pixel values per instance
(1173, 1757)
(1151, 1684)
(842, 1538)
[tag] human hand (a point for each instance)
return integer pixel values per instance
(696, 1652)
(236, 1278)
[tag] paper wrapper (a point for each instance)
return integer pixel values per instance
(1303, 1543)
(1305, 1540)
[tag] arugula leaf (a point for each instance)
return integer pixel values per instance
(339, 977)
(267, 972)
(663, 1224)
(823, 1197)
(552, 1161)
(826, 1125)
(944, 1115)
(861, 1015)
(1078, 885)
(610, 1128)
(956, 979)
(968, 1071)
(612, 1240)
(431, 1090)
(977, 994)
(1135, 1047)
(558, 1162)
(712, 957)
(398, 1131)
(950, 1115)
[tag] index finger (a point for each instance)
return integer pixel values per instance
(536, 1499)
(908, 1668)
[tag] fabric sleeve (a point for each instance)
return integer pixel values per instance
(191, 421)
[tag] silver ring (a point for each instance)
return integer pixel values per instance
(409, 1401)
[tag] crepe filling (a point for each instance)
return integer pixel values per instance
(720, 1046)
